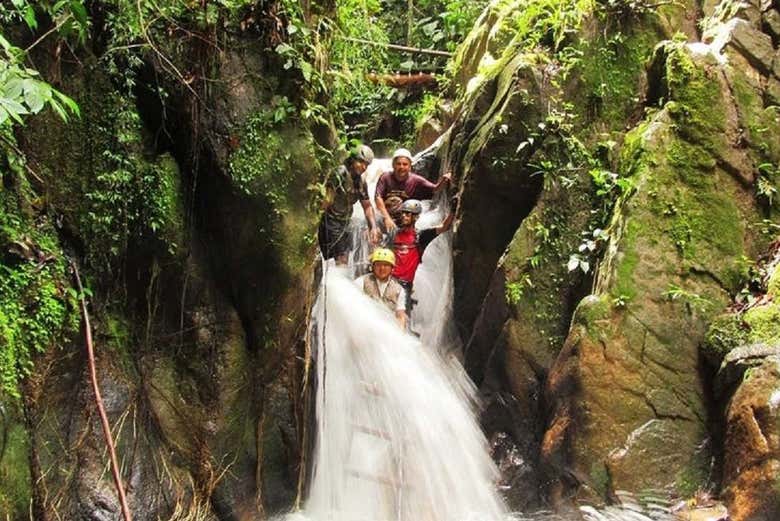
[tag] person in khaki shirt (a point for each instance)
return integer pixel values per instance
(380, 286)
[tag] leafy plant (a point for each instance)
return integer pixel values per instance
(22, 92)
(693, 301)
(766, 183)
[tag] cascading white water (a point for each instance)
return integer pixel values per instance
(397, 437)
(396, 440)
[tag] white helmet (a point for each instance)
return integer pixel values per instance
(412, 206)
(402, 152)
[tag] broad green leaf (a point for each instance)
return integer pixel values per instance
(13, 109)
(79, 12)
(13, 88)
(13, 106)
(34, 100)
(29, 18)
(306, 70)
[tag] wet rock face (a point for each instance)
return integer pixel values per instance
(622, 387)
(496, 187)
(745, 342)
(196, 363)
(751, 457)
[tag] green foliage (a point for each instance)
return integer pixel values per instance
(36, 310)
(260, 164)
(763, 323)
(547, 22)
(514, 290)
(767, 181)
(132, 198)
(22, 92)
(68, 16)
(726, 332)
(693, 301)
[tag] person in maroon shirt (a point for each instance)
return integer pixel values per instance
(395, 187)
(408, 244)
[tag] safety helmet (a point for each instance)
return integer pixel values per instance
(362, 153)
(383, 255)
(402, 152)
(412, 206)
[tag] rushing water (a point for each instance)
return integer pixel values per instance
(397, 438)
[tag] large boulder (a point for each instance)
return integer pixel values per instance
(751, 459)
(626, 389)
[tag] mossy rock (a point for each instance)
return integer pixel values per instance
(15, 479)
(628, 376)
(763, 323)
(773, 285)
(726, 332)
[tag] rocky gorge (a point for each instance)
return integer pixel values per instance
(615, 263)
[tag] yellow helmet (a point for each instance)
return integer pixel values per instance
(383, 255)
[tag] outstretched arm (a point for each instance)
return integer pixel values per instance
(373, 231)
(446, 225)
(380, 205)
(443, 181)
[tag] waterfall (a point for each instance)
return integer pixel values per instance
(397, 437)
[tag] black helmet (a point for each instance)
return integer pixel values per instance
(362, 153)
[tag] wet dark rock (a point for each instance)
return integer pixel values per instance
(742, 359)
(752, 445)
(771, 20)
(755, 45)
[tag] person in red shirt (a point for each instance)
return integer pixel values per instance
(395, 187)
(408, 244)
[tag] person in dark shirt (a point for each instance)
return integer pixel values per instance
(409, 245)
(395, 187)
(343, 188)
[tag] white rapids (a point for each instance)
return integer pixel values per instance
(397, 438)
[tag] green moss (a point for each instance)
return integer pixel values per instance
(773, 286)
(165, 206)
(695, 97)
(591, 311)
(609, 69)
(599, 478)
(692, 477)
(15, 480)
(692, 164)
(36, 309)
(626, 265)
(764, 323)
(726, 332)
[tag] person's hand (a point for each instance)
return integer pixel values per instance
(374, 236)
(389, 225)
(447, 178)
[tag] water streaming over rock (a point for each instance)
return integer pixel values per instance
(397, 437)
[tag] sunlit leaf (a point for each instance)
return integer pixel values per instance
(29, 17)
